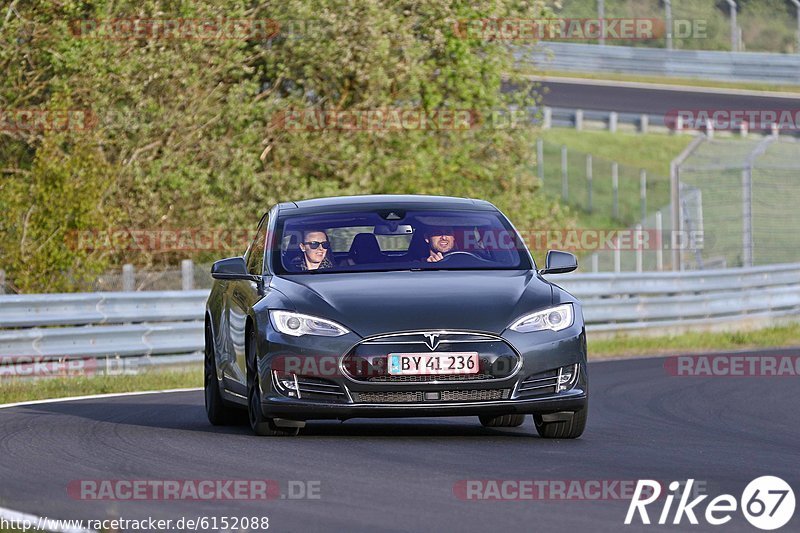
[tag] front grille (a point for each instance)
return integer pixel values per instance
(469, 395)
(316, 388)
(539, 384)
(387, 397)
(367, 361)
(474, 395)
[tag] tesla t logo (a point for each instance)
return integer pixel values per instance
(432, 340)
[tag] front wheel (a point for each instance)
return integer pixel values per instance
(562, 429)
(262, 425)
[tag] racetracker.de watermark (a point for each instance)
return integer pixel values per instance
(784, 120)
(733, 365)
(41, 366)
(40, 120)
(572, 29)
(192, 489)
(549, 489)
(175, 29)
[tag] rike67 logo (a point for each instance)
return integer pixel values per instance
(767, 503)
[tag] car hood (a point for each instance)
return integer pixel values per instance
(371, 303)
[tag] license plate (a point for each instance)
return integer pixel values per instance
(433, 363)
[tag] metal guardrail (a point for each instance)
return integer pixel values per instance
(162, 323)
(723, 66)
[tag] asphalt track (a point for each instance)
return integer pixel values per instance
(608, 97)
(399, 475)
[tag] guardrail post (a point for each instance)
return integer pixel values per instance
(601, 14)
(617, 257)
(579, 119)
(547, 119)
(775, 131)
(128, 278)
(639, 250)
(589, 206)
(659, 242)
(709, 129)
(564, 175)
(595, 262)
(540, 160)
(187, 275)
(612, 121)
(743, 129)
(615, 190)
(2, 281)
(644, 124)
(747, 217)
(643, 193)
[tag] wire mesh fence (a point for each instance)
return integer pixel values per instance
(750, 198)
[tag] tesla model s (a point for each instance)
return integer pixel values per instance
(393, 306)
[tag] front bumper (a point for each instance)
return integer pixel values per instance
(540, 354)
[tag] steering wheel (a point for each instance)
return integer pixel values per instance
(461, 253)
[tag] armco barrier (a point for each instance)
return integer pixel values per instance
(723, 66)
(157, 324)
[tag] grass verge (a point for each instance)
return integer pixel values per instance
(20, 390)
(774, 337)
(689, 82)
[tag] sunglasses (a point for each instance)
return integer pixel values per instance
(316, 244)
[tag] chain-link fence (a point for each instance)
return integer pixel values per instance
(750, 195)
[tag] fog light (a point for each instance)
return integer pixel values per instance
(293, 323)
(286, 383)
(566, 377)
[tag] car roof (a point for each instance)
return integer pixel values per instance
(384, 201)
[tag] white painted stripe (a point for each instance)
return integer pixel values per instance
(666, 87)
(95, 396)
(39, 523)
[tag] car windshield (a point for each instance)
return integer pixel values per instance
(397, 239)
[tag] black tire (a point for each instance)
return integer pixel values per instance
(261, 425)
(218, 412)
(504, 421)
(568, 429)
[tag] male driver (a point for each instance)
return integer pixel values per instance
(441, 241)
(315, 248)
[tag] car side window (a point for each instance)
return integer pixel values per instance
(255, 254)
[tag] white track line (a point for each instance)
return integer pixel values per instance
(38, 523)
(95, 396)
(665, 87)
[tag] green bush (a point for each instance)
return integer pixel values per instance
(186, 135)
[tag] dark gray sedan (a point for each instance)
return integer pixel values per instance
(393, 306)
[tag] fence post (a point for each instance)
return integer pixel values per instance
(747, 217)
(128, 278)
(187, 275)
(2, 281)
(579, 119)
(595, 262)
(615, 190)
(589, 184)
(548, 118)
(540, 159)
(639, 251)
(643, 193)
(678, 125)
(644, 124)
(564, 176)
(659, 242)
(612, 122)
(617, 257)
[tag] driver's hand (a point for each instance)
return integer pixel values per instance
(437, 256)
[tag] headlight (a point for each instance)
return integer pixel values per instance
(296, 324)
(555, 319)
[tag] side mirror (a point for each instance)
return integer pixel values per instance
(231, 268)
(559, 263)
